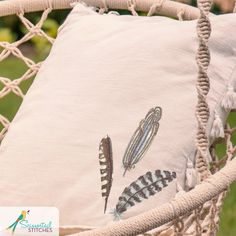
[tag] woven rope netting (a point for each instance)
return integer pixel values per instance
(12, 49)
(194, 213)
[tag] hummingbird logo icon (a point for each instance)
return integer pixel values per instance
(21, 217)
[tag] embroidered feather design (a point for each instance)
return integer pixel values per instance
(106, 167)
(142, 139)
(145, 186)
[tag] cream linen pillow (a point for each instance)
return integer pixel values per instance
(102, 77)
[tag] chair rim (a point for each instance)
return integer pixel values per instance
(204, 192)
(168, 8)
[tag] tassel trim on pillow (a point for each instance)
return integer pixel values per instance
(229, 101)
(191, 175)
(179, 189)
(217, 130)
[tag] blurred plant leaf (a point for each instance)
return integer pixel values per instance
(6, 35)
(50, 26)
(40, 43)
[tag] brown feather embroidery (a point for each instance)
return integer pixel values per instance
(145, 186)
(106, 167)
(142, 138)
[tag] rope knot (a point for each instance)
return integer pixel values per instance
(35, 30)
(35, 67)
(104, 7)
(20, 10)
(49, 4)
(181, 14)
(131, 7)
(9, 46)
(155, 7)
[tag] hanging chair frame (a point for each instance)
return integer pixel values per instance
(164, 7)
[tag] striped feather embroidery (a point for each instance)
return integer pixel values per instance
(145, 186)
(142, 139)
(106, 167)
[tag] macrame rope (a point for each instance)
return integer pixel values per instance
(155, 7)
(131, 7)
(169, 8)
(5, 123)
(203, 86)
(202, 115)
(20, 9)
(103, 8)
(180, 14)
(13, 49)
(49, 4)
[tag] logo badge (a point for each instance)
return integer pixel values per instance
(29, 221)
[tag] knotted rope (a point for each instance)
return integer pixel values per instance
(131, 7)
(103, 7)
(5, 124)
(155, 7)
(203, 86)
(180, 14)
(7, 49)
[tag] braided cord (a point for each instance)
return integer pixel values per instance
(203, 87)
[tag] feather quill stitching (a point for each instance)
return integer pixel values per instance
(142, 139)
(106, 167)
(145, 186)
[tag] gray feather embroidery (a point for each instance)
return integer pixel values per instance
(106, 167)
(145, 186)
(142, 138)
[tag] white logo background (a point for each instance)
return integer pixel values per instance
(36, 223)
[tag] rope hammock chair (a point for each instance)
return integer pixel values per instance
(193, 213)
